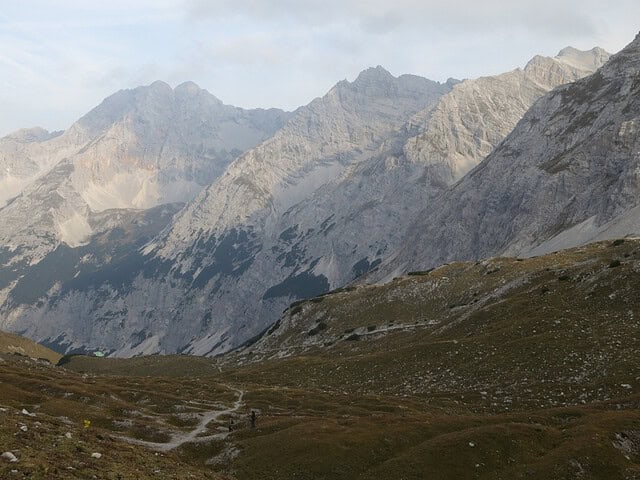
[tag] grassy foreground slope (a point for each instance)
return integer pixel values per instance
(501, 369)
(15, 344)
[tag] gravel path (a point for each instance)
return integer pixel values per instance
(179, 439)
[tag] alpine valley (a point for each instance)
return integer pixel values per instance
(165, 221)
(403, 279)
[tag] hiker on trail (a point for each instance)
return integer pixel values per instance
(253, 419)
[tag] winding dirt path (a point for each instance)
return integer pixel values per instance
(192, 436)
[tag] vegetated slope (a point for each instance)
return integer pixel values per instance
(567, 175)
(15, 344)
(63, 425)
(503, 368)
(316, 206)
(547, 331)
(550, 342)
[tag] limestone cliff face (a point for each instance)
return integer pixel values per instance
(139, 149)
(156, 145)
(568, 174)
(199, 269)
(324, 205)
(469, 122)
(324, 200)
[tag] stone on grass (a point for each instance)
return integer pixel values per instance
(9, 457)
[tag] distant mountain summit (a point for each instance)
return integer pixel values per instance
(469, 122)
(111, 181)
(155, 145)
(323, 200)
(584, 60)
(567, 175)
(138, 149)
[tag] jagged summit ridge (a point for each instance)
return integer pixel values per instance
(138, 149)
(471, 120)
(567, 175)
(316, 144)
(586, 60)
(322, 201)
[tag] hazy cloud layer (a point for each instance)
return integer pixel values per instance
(57, 61)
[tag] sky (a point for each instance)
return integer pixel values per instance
(60, 58)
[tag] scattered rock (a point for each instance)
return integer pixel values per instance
(471, 444)
(9, 457)
(96, 455)
(24, 428)
(67, 435)
(26, 412)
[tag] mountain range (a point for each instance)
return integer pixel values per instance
(164, 221)
(568, 174)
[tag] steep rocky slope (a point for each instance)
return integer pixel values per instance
(317, 205)
(140, 148)
(317, 145)
(70, 200)
(298, 234)
(469, 122)
(568, 174)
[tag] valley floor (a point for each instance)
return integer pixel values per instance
(502, 369)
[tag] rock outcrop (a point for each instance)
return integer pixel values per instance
(568, 174)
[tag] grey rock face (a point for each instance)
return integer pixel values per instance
(568, 174)
(156, 145)
(469, 122)
(323, 201)
(139, 149)
(341, 215)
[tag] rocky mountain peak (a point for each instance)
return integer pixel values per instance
(31, 135)
(583, 59)
(377, 82)
(565, 176)
(157, 86)
(193, 90)
(317, 202)
(145, 104)
(188, 86)
(374, 74)
(570, 58)
(624, 63)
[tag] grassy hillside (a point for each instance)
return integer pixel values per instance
(10, 343)
(500, 369)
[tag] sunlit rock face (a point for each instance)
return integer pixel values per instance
(322, 201)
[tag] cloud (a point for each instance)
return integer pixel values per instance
(59, 59)
(376, 16)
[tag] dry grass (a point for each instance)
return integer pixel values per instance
(501, 369)
(14, 344)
